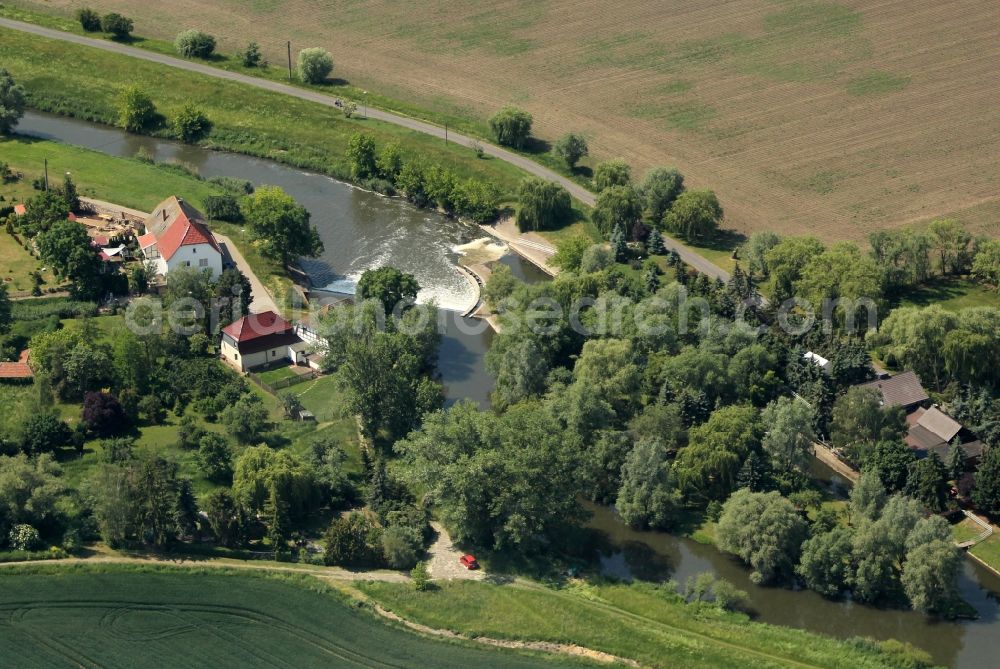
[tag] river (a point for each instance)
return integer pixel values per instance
(360, 230)
(363, 230)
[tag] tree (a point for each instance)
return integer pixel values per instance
(395, 290)
(658, 190)
(867, 497)
(571, 147)
(89, 20)
(890, 461)
(694, 216)
(353, 541)
(648, 496)
(225, 518)
(361, 154)
(841, 272)
(103, 414)
(314, 65)
(247, 419)
(251, 56)
(859, 420)
(927, 482)
(291, 404)
(707, 469)
(618, 244)
(194, 44)
(66, 247)
(617, 206)
(43, 432)
(765, 531)
(12, 102)
(214, 458)
(511, 126)
(505, 481)
(930, 574)
(956, 459)
(612, 173)
(986, 494)
(825, 565)
(280, 225)
(69, 193)
(390, 161)
(951, 240)
(655, 244)
(136, 110)
(402, 546)
(191, 124)
(5, 318)
(116, 24)
(754, 252)
(596, 258)
(986, 264)
(785, 261)
(789, 437)
(30, 491)
(542, 205)
(569, 252)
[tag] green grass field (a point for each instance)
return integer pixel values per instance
(82, 82)
(636, 622)
(126, 617)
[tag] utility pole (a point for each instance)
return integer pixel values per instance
(366, 104)
(46, 174)
(289, 60)
(445, 133)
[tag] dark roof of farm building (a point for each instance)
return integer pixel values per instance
(902, 390)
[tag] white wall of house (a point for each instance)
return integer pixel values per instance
(259, 359)
(198, 256)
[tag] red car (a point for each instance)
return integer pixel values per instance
(469, 562)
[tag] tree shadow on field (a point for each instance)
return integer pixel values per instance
(583, 171)
(534, 145)
(333, 82)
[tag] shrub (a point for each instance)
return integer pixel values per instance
(191, 124)
(89, 19)
(511, 126)
(24, 538)
(233, 185)
(571, 147)
(194, 44)
(251, 56)
(223, 208)
(421, 578)
(118, 25)
(136, 110)
(314, 65)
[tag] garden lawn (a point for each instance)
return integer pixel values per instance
(988, 551)
(952, 294)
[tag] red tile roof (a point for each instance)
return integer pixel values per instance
(17, 370)
(185, 233)
(174, 224)
(20, 209)
(255, 326)
(147, 240)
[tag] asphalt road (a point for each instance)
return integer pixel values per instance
(579, 192)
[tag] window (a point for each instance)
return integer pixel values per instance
(236, 356)
(274, 354)
(186, 263)
(203, 262)
(194, 249)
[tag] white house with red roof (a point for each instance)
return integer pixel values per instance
(177, 236)
(261, 339)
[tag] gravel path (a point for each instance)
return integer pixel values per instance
(444, 562)
(579, 192)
